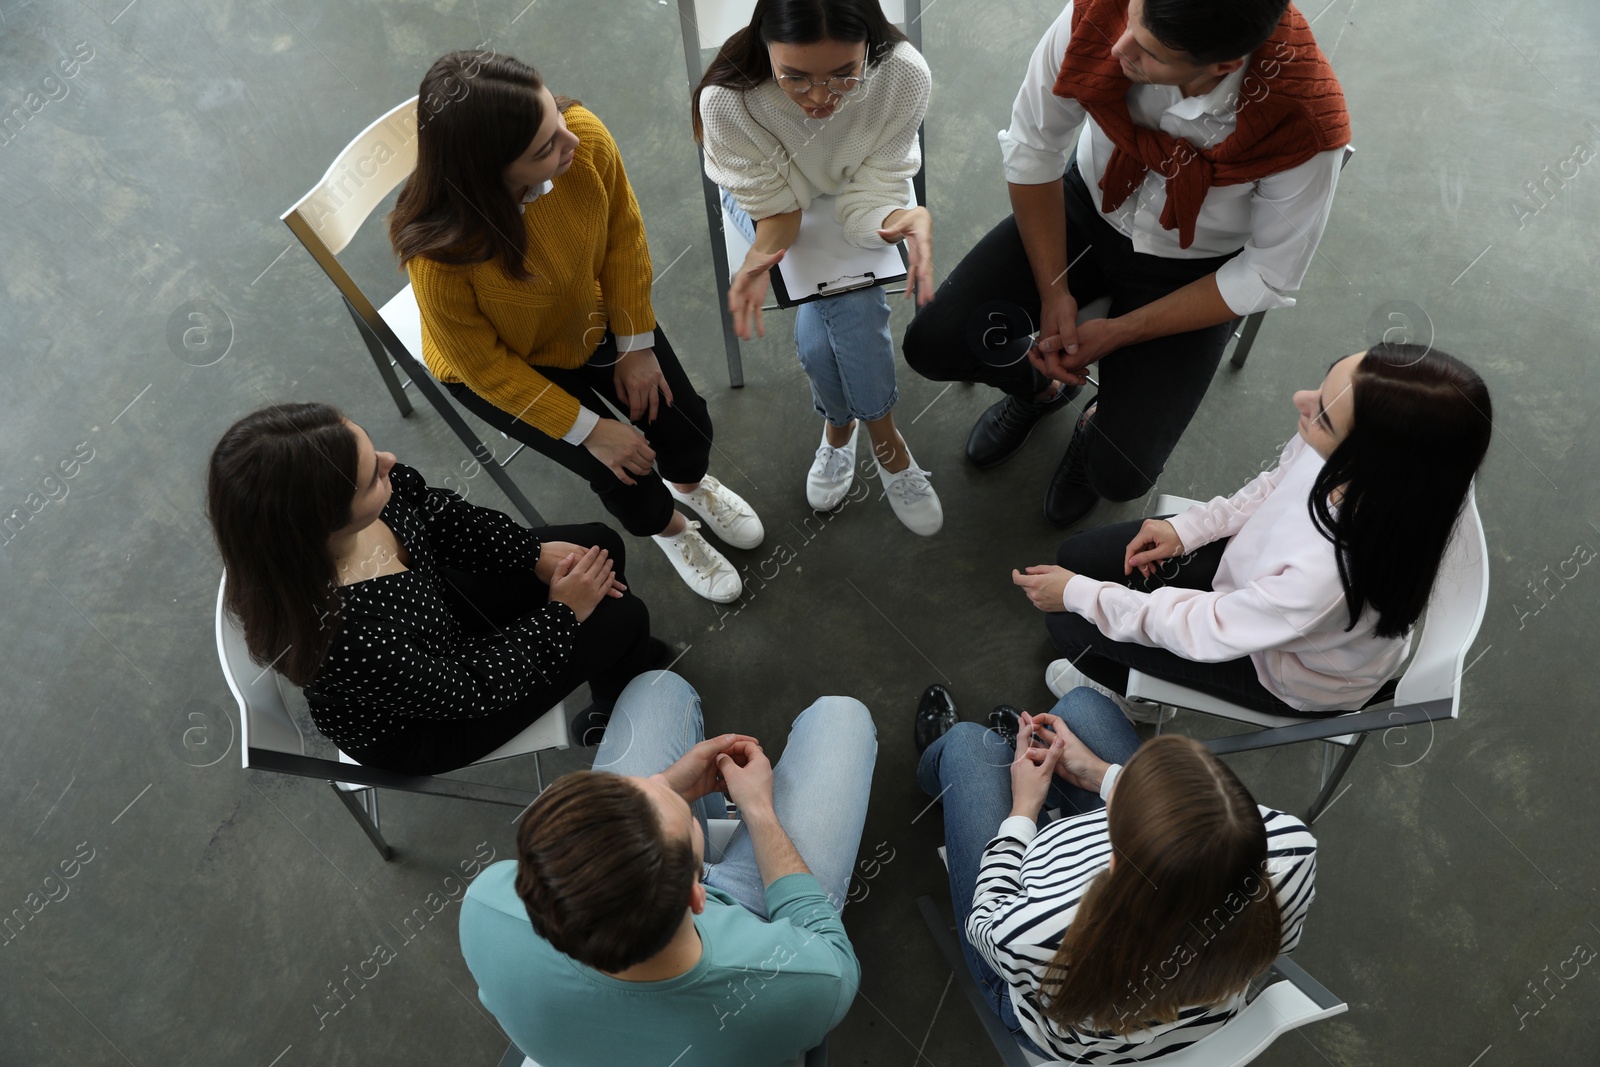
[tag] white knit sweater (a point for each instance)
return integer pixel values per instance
(773, 158)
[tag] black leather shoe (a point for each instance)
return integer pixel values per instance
(588, 727)
(1001, 431)
(1070, 497)
(1006, 720)
(936, 714)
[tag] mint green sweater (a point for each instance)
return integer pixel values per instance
(762, 993)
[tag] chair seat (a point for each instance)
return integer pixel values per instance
(405, 319)
(1279, 1008)
(1143, 687)
(548, 731)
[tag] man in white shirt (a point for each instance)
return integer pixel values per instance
(1212, 135)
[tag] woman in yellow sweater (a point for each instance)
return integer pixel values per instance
(528, 258)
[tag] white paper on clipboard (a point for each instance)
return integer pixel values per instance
(821, 262)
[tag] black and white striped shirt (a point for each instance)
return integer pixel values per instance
(1028, 890)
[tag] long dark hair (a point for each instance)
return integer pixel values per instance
(1187, 914)
(281, 481)
(603, 880)
(1422, 423)
(743, 63)
(476, 113)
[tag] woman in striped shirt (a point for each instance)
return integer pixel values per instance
(1133, 929)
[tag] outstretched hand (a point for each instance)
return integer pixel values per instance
(1044, 586)
(914, 226)
(748, 291)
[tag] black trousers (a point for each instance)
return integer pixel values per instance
(1098, 554)
(681, 435)
(612, 647)
(976, 330)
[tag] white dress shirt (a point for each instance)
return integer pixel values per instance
(1277, 220)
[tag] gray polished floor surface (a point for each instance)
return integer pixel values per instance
(211, 910)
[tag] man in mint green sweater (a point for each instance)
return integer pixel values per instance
(611, 941)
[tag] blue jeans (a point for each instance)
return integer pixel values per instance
(970, 768)
(844, 345)
(819, 787)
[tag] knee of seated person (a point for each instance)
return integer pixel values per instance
(1119, 481)
(845, 718)
(1071, 554)
(598, 533)
(969, 743)
(661, 687)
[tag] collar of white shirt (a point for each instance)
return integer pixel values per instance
(535, 193)
(1220, 101)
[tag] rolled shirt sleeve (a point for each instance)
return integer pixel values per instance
(1043, 126)
(1288, 214)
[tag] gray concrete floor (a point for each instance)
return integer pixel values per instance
(219, 904)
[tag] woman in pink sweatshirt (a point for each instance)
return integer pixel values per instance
(1297, 594)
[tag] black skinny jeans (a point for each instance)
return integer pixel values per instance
(681, 435)
(611, 648)
(976, 330)
(1098, 554)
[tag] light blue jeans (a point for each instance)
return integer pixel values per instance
(844, 345)
(819, 787)
(969, 768)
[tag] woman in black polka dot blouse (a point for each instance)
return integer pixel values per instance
(426, 631)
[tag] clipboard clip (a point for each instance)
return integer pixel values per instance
(847, 283)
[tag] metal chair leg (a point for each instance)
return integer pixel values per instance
(1325, 795)
(359, 812)
(380, 357)
(1247, 337)
(721, 271)
(480, 451)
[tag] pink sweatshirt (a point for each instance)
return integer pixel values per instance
(1276, 597)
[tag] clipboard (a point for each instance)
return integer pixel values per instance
(821, 263)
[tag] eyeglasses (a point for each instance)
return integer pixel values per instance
(800, 85)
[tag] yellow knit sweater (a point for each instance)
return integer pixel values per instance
(591, 272)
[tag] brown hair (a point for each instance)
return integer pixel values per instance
(743, 61)
(603, 880)
(476, 113)
(280, 482)
(1187, 915)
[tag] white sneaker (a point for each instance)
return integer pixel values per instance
(832, 473)
(702, 568)
(730, 518)
(913, 499)
(1062, 677)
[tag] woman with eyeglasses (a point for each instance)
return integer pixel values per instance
(528, 258)
(824, 98)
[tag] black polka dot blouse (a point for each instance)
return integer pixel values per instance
(402, 656)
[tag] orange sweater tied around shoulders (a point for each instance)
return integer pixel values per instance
(1289, 109)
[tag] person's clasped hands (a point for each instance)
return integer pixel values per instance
(1047, 748)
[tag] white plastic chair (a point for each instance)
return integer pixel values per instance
(706, 24)
(719, 832)
(1428, 690)
(326, 219)
(1295, 1001)
(270, 740)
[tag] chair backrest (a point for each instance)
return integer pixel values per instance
(717, 20)
(381, 157)
(1277, 1009)
(1456, 608)
(264, 719)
